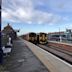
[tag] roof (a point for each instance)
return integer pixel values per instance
(7, 29)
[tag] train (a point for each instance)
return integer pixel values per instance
(40, 38)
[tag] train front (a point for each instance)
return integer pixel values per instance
(33, 38)
(43, 38)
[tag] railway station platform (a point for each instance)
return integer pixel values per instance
(22, 59)
(53, 63)
(27, 57)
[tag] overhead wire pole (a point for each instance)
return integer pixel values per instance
(59, 31)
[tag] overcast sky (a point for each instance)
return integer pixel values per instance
(37, 15)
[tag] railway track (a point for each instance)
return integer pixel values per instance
(62, 54)
(61, 50)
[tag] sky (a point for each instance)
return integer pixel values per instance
(37, 15)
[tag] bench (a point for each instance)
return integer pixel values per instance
(7, 50)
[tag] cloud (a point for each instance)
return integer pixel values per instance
(18, 9)
(29, 22)
(24, 11)
(46, 18)
(5, 14)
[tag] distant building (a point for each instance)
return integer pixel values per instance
(64, 34)
(8, 30)
(55, 35)
(69, 33)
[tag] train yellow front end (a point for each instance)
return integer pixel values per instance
(43, 38)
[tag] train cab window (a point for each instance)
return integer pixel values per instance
(32, 34)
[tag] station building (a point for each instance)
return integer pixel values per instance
(9, 31)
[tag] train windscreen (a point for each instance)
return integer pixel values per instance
(42, 34)
(32, 34)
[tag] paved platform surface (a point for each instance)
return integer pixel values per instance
(53, 63)
(23, 60)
